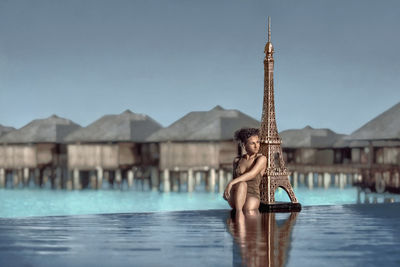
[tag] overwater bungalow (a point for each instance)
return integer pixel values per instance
(309, 146)
(36, 149)
(312, 156)
(379, 148)
(200, 144)
(111, 148)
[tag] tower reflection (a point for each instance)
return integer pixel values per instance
(262, 239)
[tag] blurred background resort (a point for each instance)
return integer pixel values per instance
(116, 150)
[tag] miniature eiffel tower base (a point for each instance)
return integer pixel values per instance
(269, 184)
(280, 207)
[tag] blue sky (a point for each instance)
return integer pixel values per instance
(337, 63)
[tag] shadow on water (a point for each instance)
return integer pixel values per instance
(263, 239)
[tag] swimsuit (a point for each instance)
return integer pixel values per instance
(253, 185)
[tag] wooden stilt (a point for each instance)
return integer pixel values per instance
(99, 177)
(166, 181)
(2, 178)
(310, 180)
(76, 179)
(130, 178)
(211, 180)
(295, 179)
(190, 183)
(327, 180)
(155, 178)
(26, 177)
(221, 181)
(320, 179)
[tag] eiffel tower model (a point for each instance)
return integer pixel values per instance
(276, 174)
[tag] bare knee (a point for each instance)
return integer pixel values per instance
(251, 212)
(251, 206)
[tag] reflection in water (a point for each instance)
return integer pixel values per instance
(263, 240)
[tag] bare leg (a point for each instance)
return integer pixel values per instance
(238, 197)
(251, 206)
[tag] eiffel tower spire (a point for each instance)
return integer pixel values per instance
(269, 131)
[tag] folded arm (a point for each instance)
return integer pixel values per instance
(257, 168)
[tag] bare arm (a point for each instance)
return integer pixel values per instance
(257, 168)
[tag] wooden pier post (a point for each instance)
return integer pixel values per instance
(336, 180)
(166, 181)
(327, 180)
(16, 177)
(211, 180)
(155, 178)
(76, 179)
(380, 185)
(310, 180)
(68, 183)
(118, 177)
(221, 181)
(130, 178)
(295, 179)
(190, 184)
(26, 176)
(320, 179)
(99, 177)
(2, 178)
(342, 180)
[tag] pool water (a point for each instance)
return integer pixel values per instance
(26, 202)
(339, 235)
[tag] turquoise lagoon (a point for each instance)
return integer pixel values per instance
(26, 202)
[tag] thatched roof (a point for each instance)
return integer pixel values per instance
(216, 124)
(383, 127)
(50, 130)
(5, 129)
(124, 127)
(309, 137)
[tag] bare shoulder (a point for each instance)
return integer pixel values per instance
(261, 158)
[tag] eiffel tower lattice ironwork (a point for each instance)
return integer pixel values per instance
(276, 174)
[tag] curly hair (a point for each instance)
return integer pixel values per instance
(245, 133)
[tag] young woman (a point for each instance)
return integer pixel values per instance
(243, 192)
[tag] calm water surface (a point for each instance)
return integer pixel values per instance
(340, 235)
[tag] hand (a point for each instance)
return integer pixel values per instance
(227, 192)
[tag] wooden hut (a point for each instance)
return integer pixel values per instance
(309, 146)
(312, 158)
(200, 142)
(111, 147)
(36, 148)
(379, 141)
